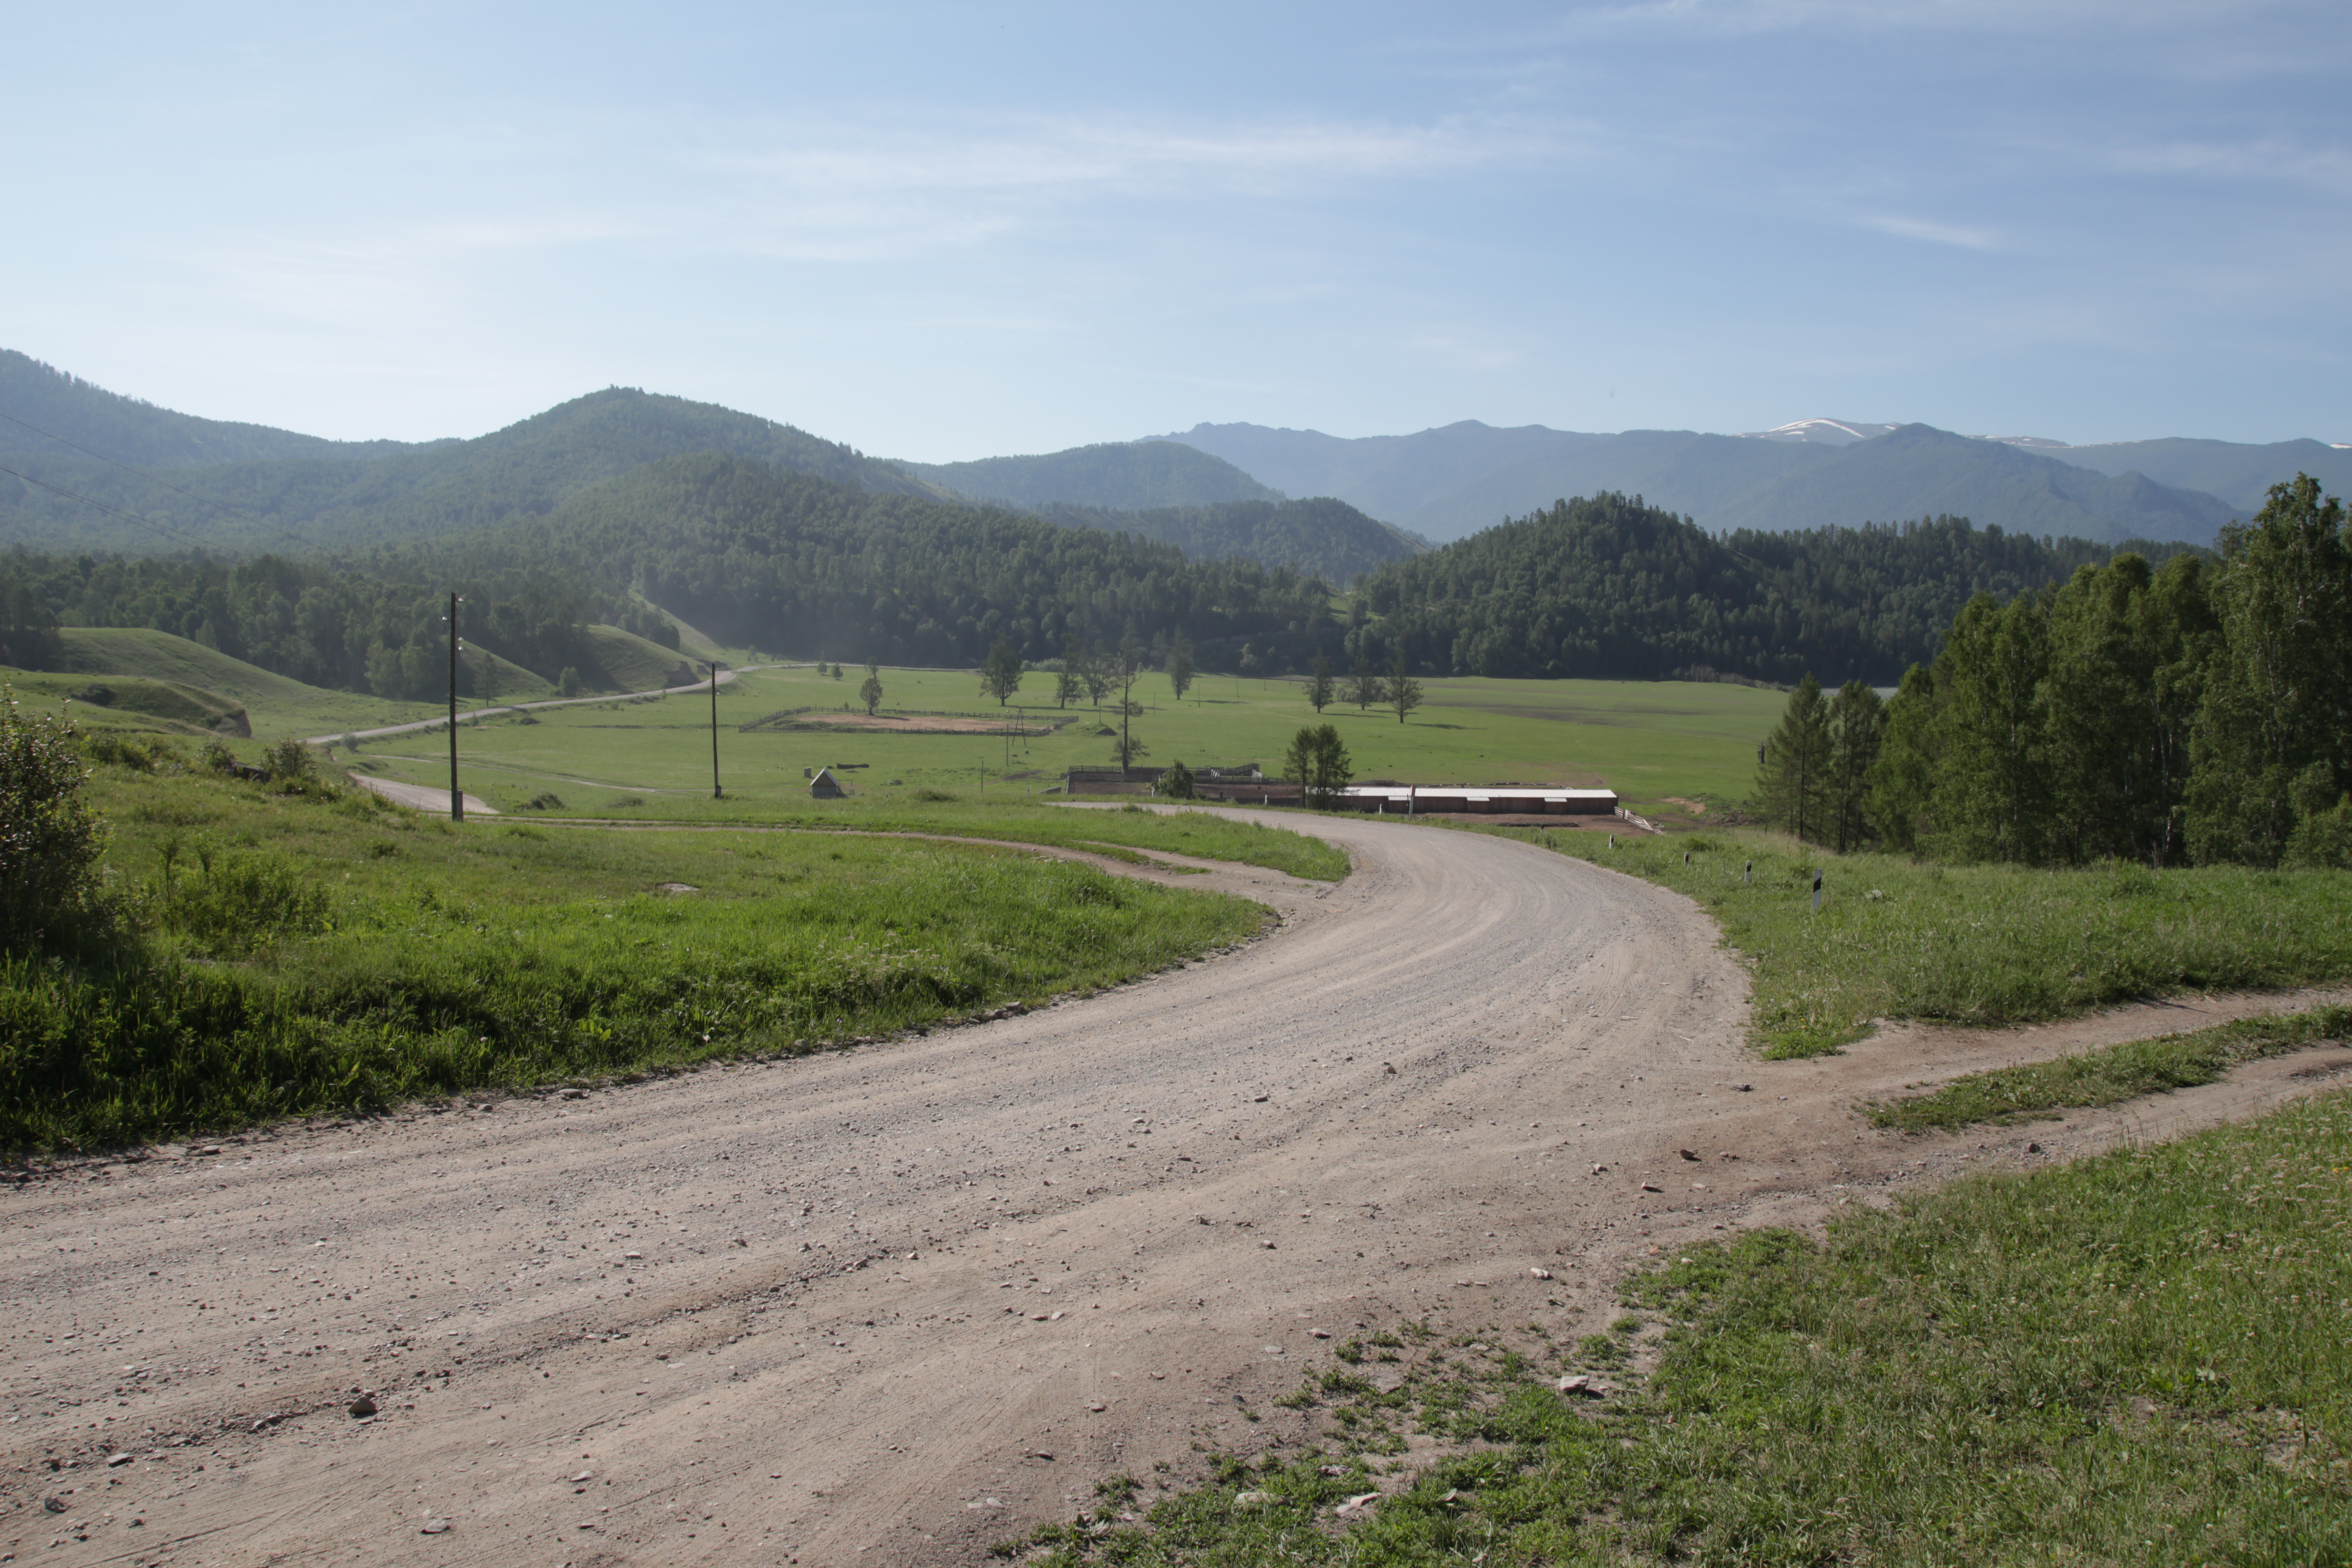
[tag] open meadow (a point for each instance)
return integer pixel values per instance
(1653, 743)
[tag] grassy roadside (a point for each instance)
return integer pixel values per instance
(1979, 944)
(2111, 1074)
(298, 953)
(2140, 1358)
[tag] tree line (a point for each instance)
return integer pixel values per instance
(1608, 588)
(2191, 712)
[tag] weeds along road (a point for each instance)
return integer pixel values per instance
(839, 1310)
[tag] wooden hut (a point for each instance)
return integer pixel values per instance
(825, 786)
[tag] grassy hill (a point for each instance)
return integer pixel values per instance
(273, 703)
(627, 662)
(1128, 475)
(135, 702)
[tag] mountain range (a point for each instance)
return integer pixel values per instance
(1452, 481)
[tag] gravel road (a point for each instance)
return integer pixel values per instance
(840, 1310)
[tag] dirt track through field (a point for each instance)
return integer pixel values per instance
(840, 1310)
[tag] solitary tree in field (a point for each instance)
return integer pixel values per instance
(1070, 682)
(1320, 689)
(1364, 684)
(870, 693)
(1180, 666)
(1403, 690)
(486, 676)
(1095, 672)
(1000, 675)
(1318, 762)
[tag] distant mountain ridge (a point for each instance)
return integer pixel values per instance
(1453, 481)
(325, 496)
(1130, 476)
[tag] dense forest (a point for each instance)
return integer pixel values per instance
(312, 620)
(1127, 474)
(2193, 712)
(1321, 538)
(1610, 588)
(776, 560)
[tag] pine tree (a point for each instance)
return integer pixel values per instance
(1902, 786)
(1857, 725)
(1792, 774)
(870, 691)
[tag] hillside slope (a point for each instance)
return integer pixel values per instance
(1321, 537)
(1127, 474)
(329, 498)
(141, 433)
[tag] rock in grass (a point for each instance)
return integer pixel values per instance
(1252, 1499)
(362, 1407)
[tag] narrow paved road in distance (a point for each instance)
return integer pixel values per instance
(840, 1310)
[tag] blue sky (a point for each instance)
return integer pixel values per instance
(946, 231)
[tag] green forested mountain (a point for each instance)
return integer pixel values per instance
(1125, 475)
(140, 433)
(327, 501)
(1321, 537)
(778, 559)
(1608, 587)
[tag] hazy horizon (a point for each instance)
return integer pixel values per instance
(943, 233)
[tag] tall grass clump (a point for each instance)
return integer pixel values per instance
(1981, 945)
(277, 952)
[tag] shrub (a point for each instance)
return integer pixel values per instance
(50, 841)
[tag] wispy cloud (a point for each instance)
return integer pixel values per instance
(1934, 233)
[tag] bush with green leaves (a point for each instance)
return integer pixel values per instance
(49, 839)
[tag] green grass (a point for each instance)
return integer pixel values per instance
(2142, 1358)
(301, 955)
(1980, 944)
(135, 702)
(624, 661)
(278, 706)
(1646, 740)
(2112, 1074)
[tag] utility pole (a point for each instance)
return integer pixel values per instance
(456, 800)
(715, 668)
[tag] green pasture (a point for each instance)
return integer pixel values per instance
(1649, 740)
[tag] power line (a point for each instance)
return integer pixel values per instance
(152, 480)
(143, 521)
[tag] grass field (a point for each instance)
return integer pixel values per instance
(2142, 1358)
(1978, 944)
(296, 954)
(1648, 741)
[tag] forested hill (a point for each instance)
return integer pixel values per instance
(1127, 474)
(761, 557)
(70, 409)
(1321, 537)
(327, 501)
(1610, 588)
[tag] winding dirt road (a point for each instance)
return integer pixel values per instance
(892, 1305)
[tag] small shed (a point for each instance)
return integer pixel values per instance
(825, 786)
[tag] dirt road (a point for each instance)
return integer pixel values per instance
(840, 1311)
